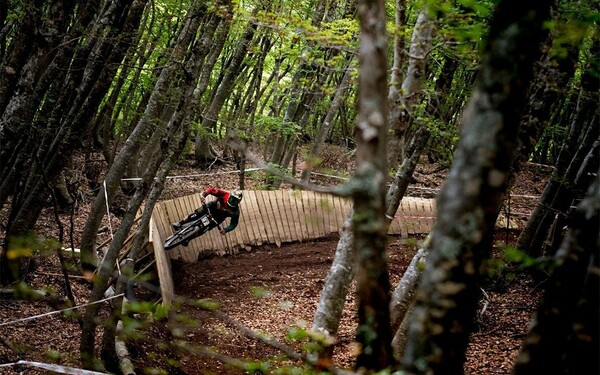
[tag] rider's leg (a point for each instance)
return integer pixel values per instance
(193, 216)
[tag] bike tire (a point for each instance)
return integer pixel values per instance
(182, 237)
(173, 241)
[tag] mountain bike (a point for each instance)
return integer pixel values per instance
(191, 230)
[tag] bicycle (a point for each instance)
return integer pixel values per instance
(191, 230)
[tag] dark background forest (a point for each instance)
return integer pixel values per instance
(102, 100)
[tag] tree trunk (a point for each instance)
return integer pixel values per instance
(222, 93)
(139, 134)
(368, 221)
(563, 337)
(571, 156)
(170, 150)
(19, 51)
(63, 127)
(344, 274)
(547, 91)
(401, 111)
(403, 296)
(333, 296)
(336, 102)
(470, 200)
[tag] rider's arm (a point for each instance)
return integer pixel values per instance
(208, 191)
(213, 191)
(232, 223)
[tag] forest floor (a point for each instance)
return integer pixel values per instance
(268, 290)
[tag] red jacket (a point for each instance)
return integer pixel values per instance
(223, 209)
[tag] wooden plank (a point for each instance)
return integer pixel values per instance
(333, 220)
(159, 219)
(307, 214)
(163, 266)
(248, 222)
(296, 201)
(323, 205)
(297, 212)
(292, 215)
(314, 215)
(417, 215)
(433, 212)
(277, 217)
(317, 215)
(325, 209)
(251, 219)
(285, 212)
(341, 213)
(241, 231)
(317, 222)
(258, 221)
(420, 215)
(426, 216)
(266, 216)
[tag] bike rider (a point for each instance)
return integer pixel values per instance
(226, 205)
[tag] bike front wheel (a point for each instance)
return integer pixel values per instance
(173, 241)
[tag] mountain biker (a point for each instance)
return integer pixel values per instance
(226, 205)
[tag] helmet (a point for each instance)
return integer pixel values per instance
(235, 196)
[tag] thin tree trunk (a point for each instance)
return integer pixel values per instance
(401, 111)
(223, 91)
(336, 102)
(368, 222)
(571, 156)
(138, 135)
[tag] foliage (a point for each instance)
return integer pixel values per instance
(503, 270)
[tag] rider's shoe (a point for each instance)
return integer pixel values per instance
(176, 226)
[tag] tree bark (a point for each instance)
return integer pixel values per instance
(336, 102)
(223, 91)
(401, 111)
(563, 337)
(559, 190)
(139, 134)
(333, 296)
(547, 90)
(470, 200)
(368, 221)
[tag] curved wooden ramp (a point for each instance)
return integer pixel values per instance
(277, 217)
(272, 217)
